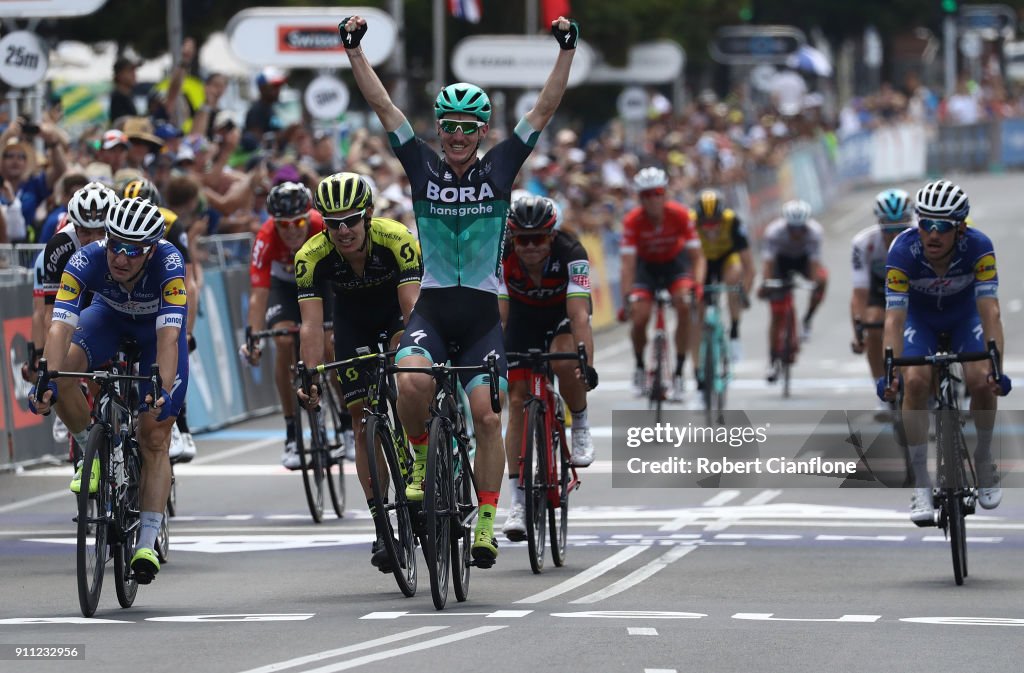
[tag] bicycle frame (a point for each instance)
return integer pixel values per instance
(657, 390)
(713, 355)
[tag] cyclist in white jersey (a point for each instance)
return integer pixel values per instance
(461, 202)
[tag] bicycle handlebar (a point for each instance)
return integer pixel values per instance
(440, 371)
(536, 357)
(992, 355)
(859, 327)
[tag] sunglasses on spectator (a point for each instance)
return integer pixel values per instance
(531, 239)
(468, 127)
(648, 193)
(292, 223)
(941, 226)
(349, 221)
(129, 250)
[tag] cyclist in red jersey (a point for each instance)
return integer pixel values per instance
(273, 301)
(660, 250)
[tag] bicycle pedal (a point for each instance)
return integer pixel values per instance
(927, 524)
(482, 563)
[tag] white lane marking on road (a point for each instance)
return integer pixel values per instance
(767, 617)
(660, 670)
(641, 631)
(970, 538)
(720, 499)
(590, 573)
(46, 497)
(861, 538)
(348, 649)
(763, 498)
(408, 649)
(637, 576)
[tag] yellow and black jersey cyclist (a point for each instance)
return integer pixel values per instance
(727, 250)
(373, 266)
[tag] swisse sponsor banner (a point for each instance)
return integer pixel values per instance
(515, 61)
(794, 449)
(306, 37)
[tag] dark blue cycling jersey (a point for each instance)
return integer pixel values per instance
(157, 300)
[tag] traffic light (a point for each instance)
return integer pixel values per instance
(950, 6)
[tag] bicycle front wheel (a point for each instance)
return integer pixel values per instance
(311, 463)
(957, 534)
(93, 522)
(127, 512)
(535, 472)
(558, 515)
(391, 510)
(709, 380)
(437, 510)
(658, 390)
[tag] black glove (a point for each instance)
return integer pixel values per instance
(567, 39)
(591, 377)
(191, 343)
(351, 40)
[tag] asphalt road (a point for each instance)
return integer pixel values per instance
(766, 579)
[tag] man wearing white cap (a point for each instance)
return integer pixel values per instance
(113, 150)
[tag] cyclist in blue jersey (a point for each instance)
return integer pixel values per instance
(461, 201)
(137, 283)
(941, 278)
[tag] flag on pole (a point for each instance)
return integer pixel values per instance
(467, 10)
(551, 10)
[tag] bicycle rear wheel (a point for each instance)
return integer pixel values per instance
(437, 510)
(787, 351)
(535, 473)
(312, 464)
(709, 380)
(335, 472)
(462, 531)
(722, 375)
(391, 510)
(657, 391)
(91, 551)
(127, 512)
(558, 515)
(334, 442)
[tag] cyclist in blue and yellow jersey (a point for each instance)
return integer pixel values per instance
(461, 201)
(372, 265)
(723, 238)
(894, 213)
(941, 278)
(138, 285)
(546, 290)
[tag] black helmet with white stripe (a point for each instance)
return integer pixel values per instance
(89, 206)
(942, 199)
(136, 221)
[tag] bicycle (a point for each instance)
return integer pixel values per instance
(787, 343)
(657, 388)
(546, 474)
(392, 512)
(449, 487)
(109, 518)
(713, 357)
(316, 462)
(956, 491)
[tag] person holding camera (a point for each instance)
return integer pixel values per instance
(22, 189)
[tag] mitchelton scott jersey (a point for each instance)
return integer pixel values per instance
(461, 221)
(911, 282)
(159, 294)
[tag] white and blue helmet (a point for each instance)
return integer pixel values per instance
(893, 207)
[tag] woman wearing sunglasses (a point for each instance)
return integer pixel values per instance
(138, 286)
(273, 298)
(372, 267)
(941, 278)
(461, 201)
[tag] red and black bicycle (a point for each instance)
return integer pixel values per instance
(546, 473)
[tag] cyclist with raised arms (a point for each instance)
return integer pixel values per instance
(461, 201)
(941, 278)
(723, 239)
(792, 245)
(273, 298)
(373, 266)
(138, 285)
(546, 289)
(660, 250)
(894, 214)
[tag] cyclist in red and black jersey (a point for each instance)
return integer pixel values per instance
(545, 291)
(660, 250)
(274, 299)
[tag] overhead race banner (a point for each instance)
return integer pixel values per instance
(306, 37)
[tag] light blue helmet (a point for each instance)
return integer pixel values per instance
(893, 206)
(463, 97)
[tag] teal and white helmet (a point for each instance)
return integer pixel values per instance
(893, 206)
(463, 97)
